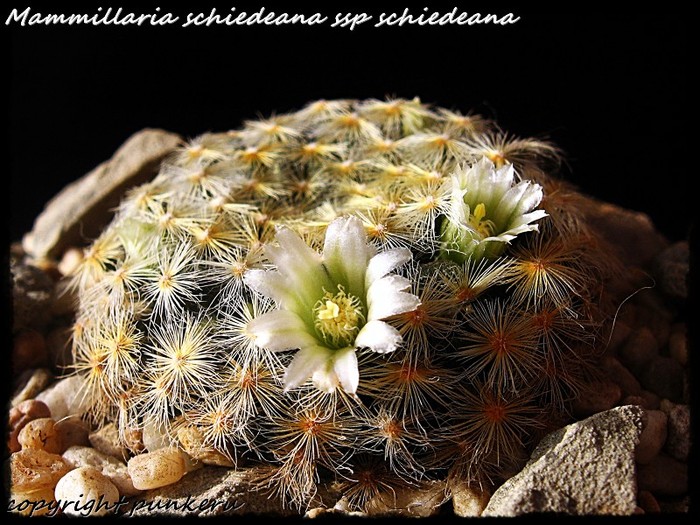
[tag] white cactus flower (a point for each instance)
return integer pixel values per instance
(330, 304)
(487, 211)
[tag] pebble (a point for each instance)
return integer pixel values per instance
(647, 502)
(154, 437)
(678, 442)
(34, 503)
(619, 374)
(28, 350)
(621, 331)
(58, 344)
(35, 469)
(599, 398)
(469, 500)
(30, 384)
(672, 266)
(663, 476)
(639, 349)
(64, 398)
(421, 501)
(20, 415)
(41, 434)
(192, 442)
(156, 469)
(663, 376)
(678, 343)
(106, 440)
(652, 438)
(93, 493)
(109, 466)
(64, 299)
(645, 399)
(73, 431)
(70, 260)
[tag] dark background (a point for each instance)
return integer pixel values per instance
(609, 89)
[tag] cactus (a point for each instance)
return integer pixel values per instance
(372, 293)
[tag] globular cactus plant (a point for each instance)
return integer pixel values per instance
(375, 293)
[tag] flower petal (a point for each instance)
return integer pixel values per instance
(345, 368)
(280, 330)
(385, 262)
(300, 266)
(270, 284)
(386, 297)
(326, 380)
(378, 337)
(346, 253)
(305, 363)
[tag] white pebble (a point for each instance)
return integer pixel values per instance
(64, 398)
(157, 469)
(109, 466)
(86, 492)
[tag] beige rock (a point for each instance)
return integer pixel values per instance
(93, 493)
(421, 501)
(41, 434)
(35, 469)
(469, 500)
(64, 398)
(70, 260)
(154, 438)
(82, 208)
(73, 431)
(652, 438)
(31, 383)
(192, 442)
(109, 466)
(107, 441)
(584, 468)
(37, 503)
(156, 469)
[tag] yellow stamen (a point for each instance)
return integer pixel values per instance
(337, 318)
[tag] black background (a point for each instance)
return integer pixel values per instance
(609, 89)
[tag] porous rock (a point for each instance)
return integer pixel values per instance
(35, 469)
(31, 295)
(587, 467)
(678, 442)
(83, 207)
(469, 500)
(671, 269)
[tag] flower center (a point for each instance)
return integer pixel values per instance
(480, 223)
(337, 318)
